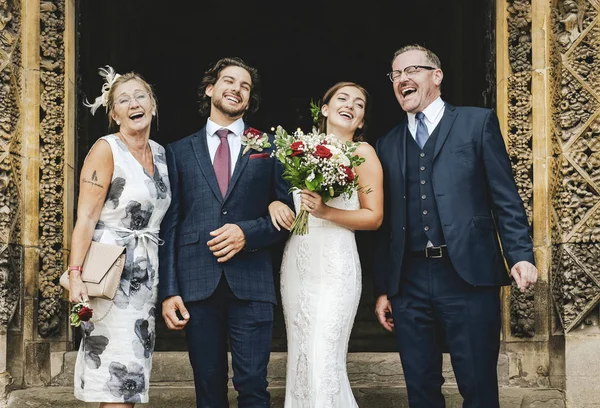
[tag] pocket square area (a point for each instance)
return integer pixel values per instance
(259, 155)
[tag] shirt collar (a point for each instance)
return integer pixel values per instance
(431, 112)
(236, 127)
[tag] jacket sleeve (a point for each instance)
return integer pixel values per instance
(513, 226)
(261, 233)
(167, 284)
(381, 251)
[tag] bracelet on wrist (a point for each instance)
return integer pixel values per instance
(75, 268)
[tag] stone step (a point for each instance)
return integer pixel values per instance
(382, 369)
(169, 396)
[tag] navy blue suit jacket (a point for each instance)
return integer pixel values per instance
(187, 267)
(476, 197)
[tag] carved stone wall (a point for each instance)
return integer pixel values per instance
(575, 183)
(52, 150)
(519, 142)
(10, 171)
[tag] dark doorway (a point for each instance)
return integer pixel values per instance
(300, 48)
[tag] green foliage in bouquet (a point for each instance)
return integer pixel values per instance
(317, 162)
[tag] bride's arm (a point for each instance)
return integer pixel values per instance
(370, 215)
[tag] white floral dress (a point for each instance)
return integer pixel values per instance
(115, 354)
(320, 292)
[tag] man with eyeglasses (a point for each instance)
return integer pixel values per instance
(449, 194)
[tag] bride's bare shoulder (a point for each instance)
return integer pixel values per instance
(365, 150)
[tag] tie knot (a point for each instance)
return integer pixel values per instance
(222, 133)
(420, 116)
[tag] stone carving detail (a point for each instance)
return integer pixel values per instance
(10, 252)
(571, 18)
(51, 165)
(575, 189)
(573, 287)
(519, 140)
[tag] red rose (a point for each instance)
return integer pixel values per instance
(252, 133)
(349, 174)
(322, 152)
(85, 314)
(297, 148)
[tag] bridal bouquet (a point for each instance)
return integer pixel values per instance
(317, 162)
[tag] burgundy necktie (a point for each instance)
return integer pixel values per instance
(222, 162)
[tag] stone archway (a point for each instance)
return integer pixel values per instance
(548, 99)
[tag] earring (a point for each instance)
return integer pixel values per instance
(118, 123)
(153, 113)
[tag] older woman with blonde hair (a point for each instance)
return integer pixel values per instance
(124, 194)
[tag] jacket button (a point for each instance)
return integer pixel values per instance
(426, 228)
(224, 212)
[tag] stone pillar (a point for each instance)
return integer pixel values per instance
(10, 180)
(35, 165)
(575, 192)
(522, 67)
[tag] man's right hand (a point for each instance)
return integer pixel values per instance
(383, 310)
(170, 306)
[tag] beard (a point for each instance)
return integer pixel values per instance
(219, 104)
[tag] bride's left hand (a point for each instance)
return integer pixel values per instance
(313, 203)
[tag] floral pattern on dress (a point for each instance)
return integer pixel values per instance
(144, 344)
(136, 284)
(126, 382)
(93, 346)
(137, 215)
(115, 356)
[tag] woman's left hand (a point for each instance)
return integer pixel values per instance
(313, 203)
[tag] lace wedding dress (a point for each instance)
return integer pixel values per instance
(320, 290)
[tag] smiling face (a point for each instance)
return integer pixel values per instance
(230, 94)
(345, 111)
(417, 92)
(132, 107)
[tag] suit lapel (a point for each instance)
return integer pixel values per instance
(401, 147)
(200, 147)
(445, 126)
(240, 165)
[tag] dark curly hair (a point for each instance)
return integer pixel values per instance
(212, 75)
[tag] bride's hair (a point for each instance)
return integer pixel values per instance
(359, 134)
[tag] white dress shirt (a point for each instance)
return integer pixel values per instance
(234, 139)
(433, 115)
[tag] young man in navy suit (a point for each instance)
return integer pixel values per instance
(449, 194)
(215, 265)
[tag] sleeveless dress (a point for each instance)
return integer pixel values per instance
(320, 291)
(115, 355)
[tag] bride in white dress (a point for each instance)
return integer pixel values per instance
(321, 272)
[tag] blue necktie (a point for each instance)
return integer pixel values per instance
(422, 132)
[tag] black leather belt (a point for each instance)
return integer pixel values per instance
(431, 252)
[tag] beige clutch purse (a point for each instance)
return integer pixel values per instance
(102, 270)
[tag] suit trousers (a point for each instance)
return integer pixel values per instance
(434, 309)
(247, 326)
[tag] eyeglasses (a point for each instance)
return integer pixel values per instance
(409, 71)
(141, 98)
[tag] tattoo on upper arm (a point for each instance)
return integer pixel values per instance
(94, 180)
